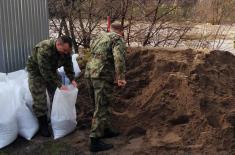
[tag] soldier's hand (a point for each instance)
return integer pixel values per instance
(74, 83)
(121, 83)
(63, 87)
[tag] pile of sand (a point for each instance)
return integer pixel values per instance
(178, 101)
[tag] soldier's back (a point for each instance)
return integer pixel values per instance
(101, 63)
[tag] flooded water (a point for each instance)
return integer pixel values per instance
(220, 37)
(227, 46)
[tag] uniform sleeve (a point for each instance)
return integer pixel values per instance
(119, 50)
(68, 68)
(46, 70)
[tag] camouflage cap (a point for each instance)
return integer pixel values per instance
(117, 26)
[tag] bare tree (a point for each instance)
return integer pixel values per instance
(157, 22)
(76, 18)
(148, 22)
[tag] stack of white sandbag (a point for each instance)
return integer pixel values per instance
(27, 122)
(16, 115)
(13, 92)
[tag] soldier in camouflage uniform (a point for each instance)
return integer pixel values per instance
(105, 68)
(47, 56)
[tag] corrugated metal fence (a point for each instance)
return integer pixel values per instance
(23, 23)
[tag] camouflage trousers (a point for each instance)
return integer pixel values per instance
(38, 88)
(101, 94)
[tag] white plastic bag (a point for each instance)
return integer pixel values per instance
(76, 68)
(8, 122)
(64, 78)
(63, 115)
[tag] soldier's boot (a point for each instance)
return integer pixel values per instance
(108, 133)
(43, 126)
(97, 145)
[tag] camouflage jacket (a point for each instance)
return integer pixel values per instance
(45, 60)
(107, 57)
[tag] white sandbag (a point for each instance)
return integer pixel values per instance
(76, 68)
(28, 99)
(19, 75)
(63, 115)
(3, 77)
(27, 122)
(8, 122)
